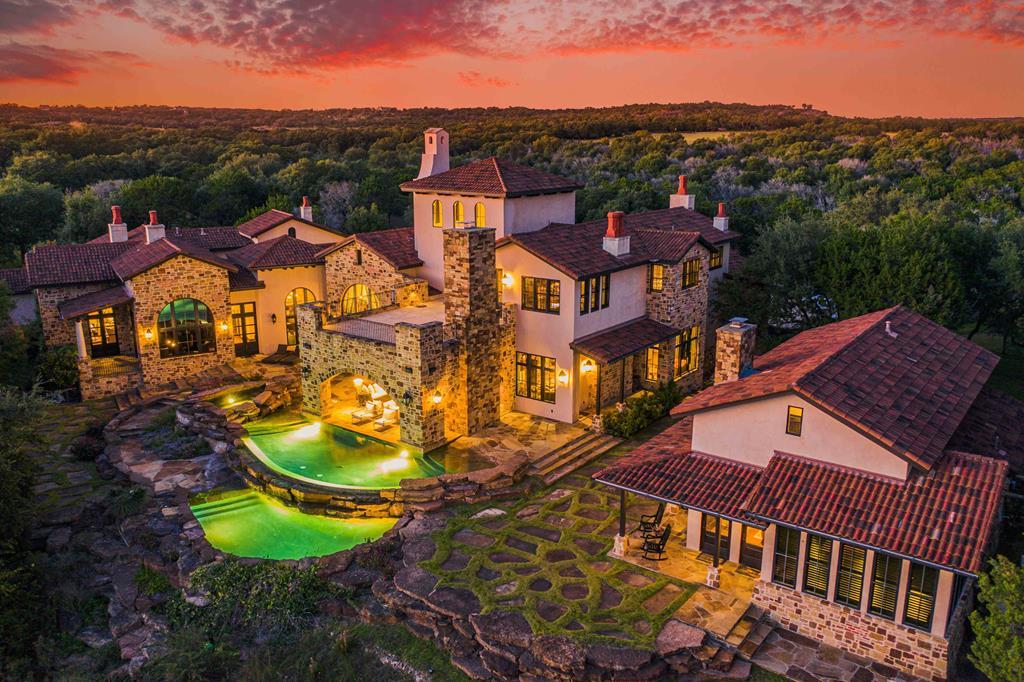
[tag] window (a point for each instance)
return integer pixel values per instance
(787, 553)
(243, 322)
(295, 297)
(691, 273)
(651, 363)
(817, 565)
(185, 327)
(435, 213)
(541, 295)
(885, 586)
(501, 276)
(291, 232)
(715, 260)
(594, 293)
(458, 214)
(655, 277)
(714, 535)
(358, 299)
(921, 588)
(359, 256)
(535, 377)
(103, 334)
(480, 215)
(794, 420)
(850, 581)
(687, 351)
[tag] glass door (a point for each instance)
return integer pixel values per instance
(243, 320)
(752, 547)
(103, 334)
(711, 527)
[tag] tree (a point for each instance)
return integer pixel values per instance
(363, 219)
(998, 647)
(227, 194)
(278, 201)
(86, 215)
(1007, 315)
(30, 212)
(15, 368)
(335, 202)
(170, 197)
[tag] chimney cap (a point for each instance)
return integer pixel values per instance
(682, 185)
(305, 201)
(614, 224)
(721, 210)
(153, 219)
(115, 215)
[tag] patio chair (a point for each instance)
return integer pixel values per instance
(387, 420)
(366, 413)
(649, 523)
(656, 545)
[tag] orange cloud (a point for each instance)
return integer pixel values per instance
(20, 62)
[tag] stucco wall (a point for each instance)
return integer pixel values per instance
(303, 231)
(764, 431)
(526, 214)
(625, 303)
(271, 300)
(429, 240)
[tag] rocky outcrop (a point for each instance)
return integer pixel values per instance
(432, 493)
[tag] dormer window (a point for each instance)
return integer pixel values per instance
(435, 213)
(794, 420)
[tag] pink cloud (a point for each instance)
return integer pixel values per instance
(34, 16)
(20, 62)
(475, 79)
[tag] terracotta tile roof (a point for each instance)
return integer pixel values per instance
(212, 238)
(943, 517)
(908, 393)
(395, 245)
(671, 220)
(63, 264)
(622, 340)
(674, 441)
(279, 252)
(142, 258)
(263, 222)
(695, 479)
(494, 178)
(90, 303)
(244, 279)
(994, 426)
(16, 280)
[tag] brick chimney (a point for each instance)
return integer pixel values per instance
(681, 199)
(721, 220)
(616, 241)
(117, 228)
(435, 152)
(154, 229)
(734, 349)
(306, 210)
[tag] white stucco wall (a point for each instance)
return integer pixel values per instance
(717, 275)
(626, 302)
(526, 214)
(429, 239)
(307, 233)
(752, 432)
(270, 300)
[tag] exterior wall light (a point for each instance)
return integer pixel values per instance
(436, 397)
(587, 366)
(273, 318)
(507, 279)
(563, 377)
(223, 326)
(148, 334)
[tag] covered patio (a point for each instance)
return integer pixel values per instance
(359, 404)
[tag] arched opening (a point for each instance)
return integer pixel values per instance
(358, 403)
(185, 327)
(435, 213)
(480, 215)
(458, 214)
(295, 297)
(291, 231)
(358, 299)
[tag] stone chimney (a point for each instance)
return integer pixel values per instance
(117, 228)
(721, 220)
(734, 349)
(155, 229)
(306, 210)
(681, 199)
(616, 241)
(435, 152)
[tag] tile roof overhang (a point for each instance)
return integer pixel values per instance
(16, 280)
(213, 238)
(622, 340)
(994, 426)
(280, 252)
(91, 302)
(397, 246)
(243, 280)
(944, 517)
(492, 177)
(64, 264)
(147, 256)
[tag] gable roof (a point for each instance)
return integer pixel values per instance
(91, 302)
(279, 252)
(62, 264)
(397, 246)
(614, 343)
(16, 280)
(212, 238)
(137, 260)
(271, 219)
(907, 390)
(493, 177)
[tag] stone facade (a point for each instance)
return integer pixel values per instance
(96, 383)
(355, 264)
(58, 332)
(916, 652)
(734, 350)
(507, 358)
(181, 277)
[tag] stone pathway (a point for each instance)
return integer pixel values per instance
(806, 660)
(517, 432)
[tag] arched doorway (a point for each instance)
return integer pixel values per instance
(357, 299)
(359, 403)
(295, 297)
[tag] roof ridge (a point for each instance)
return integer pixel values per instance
(497, 169)
(842, 347)
(728, 460)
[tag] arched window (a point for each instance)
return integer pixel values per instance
(357, 299)
(291, 321)
(291, 231)
(435, 213)
(458, 214)
(480, 215)
(185, 327)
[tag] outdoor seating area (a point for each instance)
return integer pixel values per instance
(363, 406)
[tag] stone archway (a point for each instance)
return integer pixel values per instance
(358, 402)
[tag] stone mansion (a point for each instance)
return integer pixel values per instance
(494, 300)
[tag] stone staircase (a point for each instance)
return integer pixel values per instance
(571, 456)
(729, 658)
(208, 378)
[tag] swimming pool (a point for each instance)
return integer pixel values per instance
(250, 524)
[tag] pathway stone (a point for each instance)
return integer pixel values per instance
(600, 566)
(610, 597)
(472, 538)
(506, 588)
(456, 602)
(558, 494)
(456, 561)
(417, 550)
(495, 524)
(507, 558)
(521, 545)
(528, 511)
(488, 513)
(587, 528)
(634, 579)
(657, 602)
(556, 555)
(540, 585)
(592, 547)
(556, 520)
(485, 573)
(548, 611)
(677, 636)
(642, 627)
(562, 506)
(549, 534)
(574, 626)
(593, 514)
(570, 572)
(575, 591)
(526, 570)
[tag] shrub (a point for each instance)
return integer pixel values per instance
(58, 368)
(87, 448)
(318, 654)
(124, 503)
(151, 582)
(639, 412)
(192, 657)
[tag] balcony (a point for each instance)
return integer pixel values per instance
(379, 324)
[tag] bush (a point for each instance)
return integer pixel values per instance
(151, 582)
(87, 448)
(319, 654)
(192, 657)
(639, 412)
(58, 368)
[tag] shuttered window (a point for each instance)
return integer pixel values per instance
(885, 586)
(816, 568)
(850, 581)
(921, 588)
(787, 552)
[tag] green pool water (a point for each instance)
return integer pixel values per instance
(249, 524)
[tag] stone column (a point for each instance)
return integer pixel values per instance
(734, 349)
(83, 353)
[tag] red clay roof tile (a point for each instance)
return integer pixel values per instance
(280, 252)
(142, 258)
(994, 426)
(16, 280)
(90, 303)
(63, 264)
(492, 177)
(615, 343)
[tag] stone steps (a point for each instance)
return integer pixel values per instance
(571, 456)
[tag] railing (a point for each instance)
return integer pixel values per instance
(334, 311)
(367, 329)
(118, 365)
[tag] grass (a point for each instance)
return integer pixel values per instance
(164, 437)
(417, 653)
(758, 674)
(1008, 376)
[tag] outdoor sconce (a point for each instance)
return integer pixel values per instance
(587, 366)
(563, 377)
(507, 279)
(407, 398)
(148, 334)
(273, 318)
(223, 326)
(436, 397)
(358, 381)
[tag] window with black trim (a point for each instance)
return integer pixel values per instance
(850, 581)
(651, 363)
(535, 377)
(922, 586)
(786, 556)
(715, 259)
(185, 327)
(817, 565)
(542, 295)
(594, 293)
(687, 351)
(691, 273)
(794, 420)
(359, 256)
(885, 585)
(655, 277)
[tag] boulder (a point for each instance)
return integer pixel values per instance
(617, 658)
(415, 582)
(455, 602)
(677, 636)
(559, 653)
(505, 627)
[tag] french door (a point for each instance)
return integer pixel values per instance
(752, 547)
(243, 320)
(711, 527)
(103, 334)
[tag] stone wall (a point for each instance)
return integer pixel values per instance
(507, 358)
(342, 271)
(181, 277)
(96, 385)
(734, 350)
(58, 332)
(913, 651)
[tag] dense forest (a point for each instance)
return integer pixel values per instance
(838, 216)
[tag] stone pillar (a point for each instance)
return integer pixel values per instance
(734, 349)
(713, 579)
(83, 352)
(472, 314)
(421, 363)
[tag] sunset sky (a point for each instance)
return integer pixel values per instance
(875, 57)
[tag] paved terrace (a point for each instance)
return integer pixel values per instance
(380, 326)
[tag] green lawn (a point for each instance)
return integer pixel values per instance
(1009, 374)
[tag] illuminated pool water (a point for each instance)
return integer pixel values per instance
(249, 524)
(328, 455)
